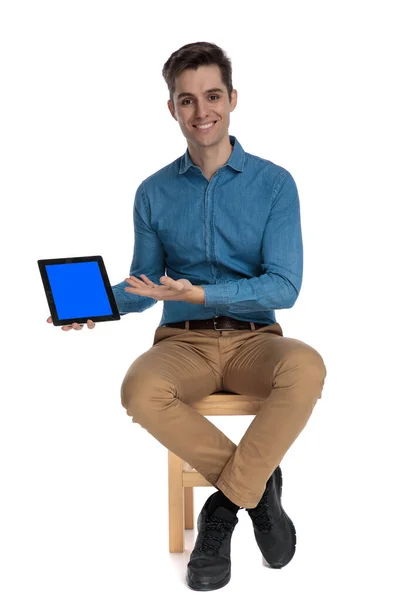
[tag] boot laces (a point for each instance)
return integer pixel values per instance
(215, 525)
(260, 516)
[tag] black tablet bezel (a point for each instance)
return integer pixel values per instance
(49, 295)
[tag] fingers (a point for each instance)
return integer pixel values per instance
(171, 283)
(77, 326)
(148, 281)
(144, 279)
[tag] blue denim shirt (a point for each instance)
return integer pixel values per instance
(237, 235)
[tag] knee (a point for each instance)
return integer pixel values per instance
(313, 363)
(305, 364)
(313, 369)
(142, 395)
(131, 398)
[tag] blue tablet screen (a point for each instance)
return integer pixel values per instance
(78, 290)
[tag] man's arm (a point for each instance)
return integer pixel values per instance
(282, 262)
(197, 296)
(148, 250)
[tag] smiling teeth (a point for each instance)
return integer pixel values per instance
(204, 126)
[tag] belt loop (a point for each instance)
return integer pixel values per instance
(186, 324)
(253, 327)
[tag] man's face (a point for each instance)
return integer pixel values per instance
(200, 98)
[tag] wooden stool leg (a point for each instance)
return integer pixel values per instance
(189, 507)
(175, 503)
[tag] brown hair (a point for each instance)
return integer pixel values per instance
(191, 56)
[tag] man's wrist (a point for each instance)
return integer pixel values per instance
(197, 295)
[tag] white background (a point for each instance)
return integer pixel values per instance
(84, 120)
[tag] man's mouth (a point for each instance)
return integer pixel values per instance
(205, 126)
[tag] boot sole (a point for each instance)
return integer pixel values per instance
(205, 587)
(280, 565)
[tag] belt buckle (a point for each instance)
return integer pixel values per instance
(223, 328)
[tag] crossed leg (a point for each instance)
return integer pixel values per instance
(160, 384)
(290, 375)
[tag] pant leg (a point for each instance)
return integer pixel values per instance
(290, 375)
(182, 365)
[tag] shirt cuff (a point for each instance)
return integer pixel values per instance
(216, 295)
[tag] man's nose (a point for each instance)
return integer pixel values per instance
(202, 109)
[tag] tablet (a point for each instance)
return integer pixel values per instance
(78, 289)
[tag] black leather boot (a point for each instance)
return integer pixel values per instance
(273, 529)
(209, 567)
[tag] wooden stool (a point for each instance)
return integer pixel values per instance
(182, 478)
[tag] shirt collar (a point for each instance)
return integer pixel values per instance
(236, 159)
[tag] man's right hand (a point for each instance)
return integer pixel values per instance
(77, 326)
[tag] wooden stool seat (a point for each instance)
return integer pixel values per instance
(182, 477)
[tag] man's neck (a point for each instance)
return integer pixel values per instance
(211, 159)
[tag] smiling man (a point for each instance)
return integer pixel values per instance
(202, 107)
(218, 240)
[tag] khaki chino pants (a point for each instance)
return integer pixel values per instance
(185, 365)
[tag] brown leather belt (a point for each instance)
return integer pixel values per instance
(217, 323)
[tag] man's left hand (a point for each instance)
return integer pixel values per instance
(169, 289)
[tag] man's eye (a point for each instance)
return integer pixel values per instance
(212, 96)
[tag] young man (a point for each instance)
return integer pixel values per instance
(225, 227)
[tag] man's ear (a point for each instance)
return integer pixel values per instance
(234, 96)
(171, 109)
